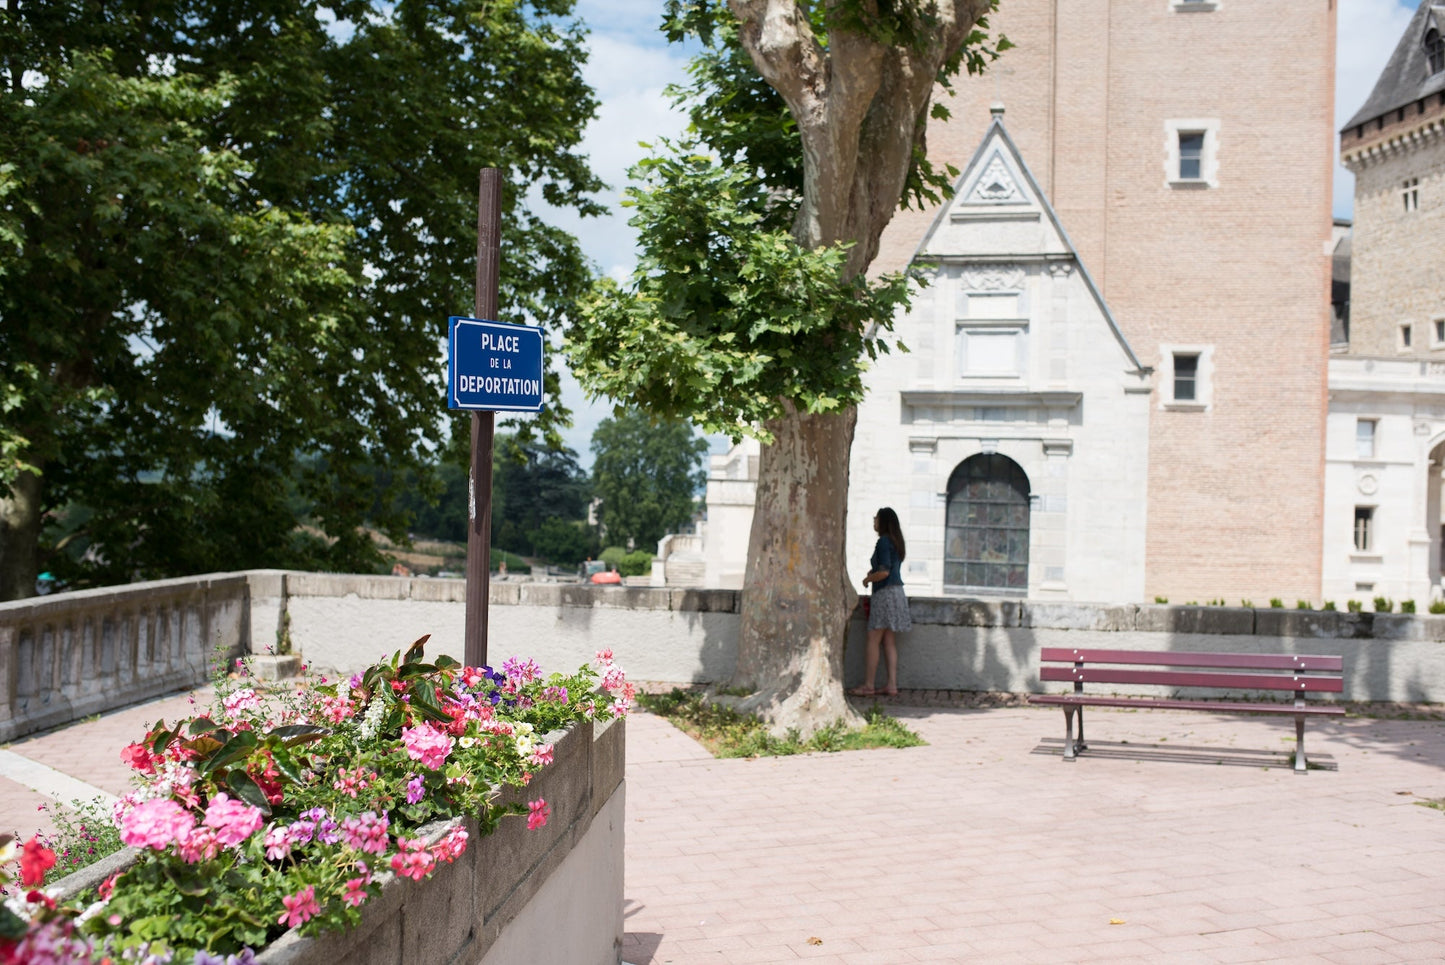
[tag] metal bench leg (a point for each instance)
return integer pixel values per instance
(1082, 746)
(1300, 765)
(1069, 731)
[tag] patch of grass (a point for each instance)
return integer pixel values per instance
(727, 733)
(1437, 803)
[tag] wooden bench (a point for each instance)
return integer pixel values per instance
(1301, 673)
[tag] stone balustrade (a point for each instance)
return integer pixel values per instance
(69, 655)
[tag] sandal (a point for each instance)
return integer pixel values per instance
(864, 692)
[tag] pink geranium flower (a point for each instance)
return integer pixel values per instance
(366, 832)
(155, 824)
(541, 811)
(240, 701)
(355, 891)
(234, 821)
(300, 907)
(412, 860)
(451, 847)
(426, 744)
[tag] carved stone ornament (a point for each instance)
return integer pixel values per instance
(994, 277)
(996, 185)
(1368, 485)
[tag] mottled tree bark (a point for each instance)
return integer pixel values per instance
(861, 108)
(20, 537)
(796, 594)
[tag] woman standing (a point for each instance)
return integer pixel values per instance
(888, 611)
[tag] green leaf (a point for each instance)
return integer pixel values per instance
(247, 790)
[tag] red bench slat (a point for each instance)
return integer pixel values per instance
(1084, 700)
(1178, 678)
(1195, 658)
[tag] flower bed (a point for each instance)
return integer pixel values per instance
(304, 819)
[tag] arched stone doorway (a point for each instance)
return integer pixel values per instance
(986, 537)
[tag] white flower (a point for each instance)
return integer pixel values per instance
(371, 722)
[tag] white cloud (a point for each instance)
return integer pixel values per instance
(1368, 33)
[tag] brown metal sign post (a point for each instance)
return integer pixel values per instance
(479, 532)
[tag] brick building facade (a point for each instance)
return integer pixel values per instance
(1186, 146)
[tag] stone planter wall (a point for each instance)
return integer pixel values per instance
(516, 897)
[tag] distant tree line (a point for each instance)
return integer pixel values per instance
(646, 482)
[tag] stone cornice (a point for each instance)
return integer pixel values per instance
(1357, 158)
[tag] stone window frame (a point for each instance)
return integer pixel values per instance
(1209, 160)
(1405, 337)
(1410, 195)
(1203, 378)
(1364, 514)
(1437, 331)
(1374, 438)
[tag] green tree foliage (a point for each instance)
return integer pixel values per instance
(751, 311)
(563, 542)
(726, 316)
(230, 236)
(647, 474)
(532, 484)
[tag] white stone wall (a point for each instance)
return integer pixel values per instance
(1405, 397)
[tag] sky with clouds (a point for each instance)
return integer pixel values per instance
(631, 63)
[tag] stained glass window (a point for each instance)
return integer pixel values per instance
(986, 536)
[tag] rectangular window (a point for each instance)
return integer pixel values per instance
(1406, 336)
(1364, 538)
(1186, 378)
(1365, 439)
(1410, 194)
(1437, 329)
(1191, 155)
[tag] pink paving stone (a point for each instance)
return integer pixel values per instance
(987, 835)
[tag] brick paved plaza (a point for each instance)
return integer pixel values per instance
(1182, 837)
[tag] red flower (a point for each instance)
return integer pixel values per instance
(139, 758)
(35, 860)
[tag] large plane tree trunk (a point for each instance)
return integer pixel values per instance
(20, 537)
(861, 102)
(797, 597)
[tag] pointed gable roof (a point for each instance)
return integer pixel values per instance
(1406, 77)
(998, 187)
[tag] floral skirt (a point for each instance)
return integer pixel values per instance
(888, 610)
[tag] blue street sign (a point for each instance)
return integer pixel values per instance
(493, 365)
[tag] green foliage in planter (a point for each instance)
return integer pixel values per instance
(1161, 599)
(84, 834)
(1354, 606)
(1303, 605)
(1383, 604)
(1275, 603)
(1329, 605)
(1437, 606)
(1407, 606)
(265, 815)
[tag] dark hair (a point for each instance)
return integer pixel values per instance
(888, 526)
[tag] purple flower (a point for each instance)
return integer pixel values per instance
(415, 790)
